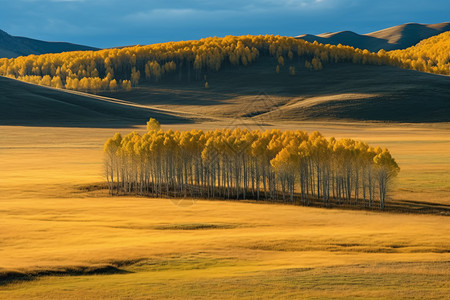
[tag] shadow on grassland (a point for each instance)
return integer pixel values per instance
(13, 276)
(23, 104)
(392, 206)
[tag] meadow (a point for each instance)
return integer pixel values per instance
(62, 236)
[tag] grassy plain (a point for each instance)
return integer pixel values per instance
(63, 241)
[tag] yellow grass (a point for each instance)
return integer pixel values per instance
(160, 248)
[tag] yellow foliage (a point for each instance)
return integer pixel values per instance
(316, 64)
(308, 65)
(430, 55)
(167, 161)
(113, 85)
(135, 75)
(131, 63)
(292, 70)
(86, 70)
(46, 80)
(126, 85)
(56, 82)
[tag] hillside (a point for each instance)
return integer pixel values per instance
(430, 55)
(393, 38)
(259, 78)
(345, 91)
(30, 105)
(113, 69)
(13, 46)
(254, 95)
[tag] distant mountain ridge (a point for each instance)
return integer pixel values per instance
(13, 46)
(393, 38)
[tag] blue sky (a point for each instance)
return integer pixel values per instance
(109, 23)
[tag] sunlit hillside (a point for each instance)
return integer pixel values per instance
(430, 55)
(124, 68)
(392, 38)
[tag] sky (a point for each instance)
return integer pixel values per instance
(110, 23)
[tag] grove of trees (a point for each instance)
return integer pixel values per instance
(112, 69)
(431, 55)
(288, 166)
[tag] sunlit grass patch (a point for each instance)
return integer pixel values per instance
(344, 246)
(53, 219)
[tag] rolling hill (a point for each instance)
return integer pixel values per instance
(13, 46)
(393, 38)
(31, 105)
(234, 80)
(248, 96)
(339, 92)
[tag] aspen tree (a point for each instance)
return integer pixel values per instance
(113, 85)
(153, 125)
(244, 164)
(210, 54)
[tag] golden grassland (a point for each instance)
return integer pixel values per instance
(73, 243)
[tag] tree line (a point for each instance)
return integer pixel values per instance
(431, 55)
(288, 166)
(113, 69)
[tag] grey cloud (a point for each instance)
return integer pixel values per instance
(106, 23)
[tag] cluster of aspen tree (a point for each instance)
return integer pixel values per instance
(289, 166)
(430, 55)
(112, 69)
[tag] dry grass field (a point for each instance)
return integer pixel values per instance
(62, 236)
(60, 239)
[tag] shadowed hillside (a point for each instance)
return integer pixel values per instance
(339, 92)
(270, 79)
(397, 37)
(342, 91)
(30, 105)
(13, 46)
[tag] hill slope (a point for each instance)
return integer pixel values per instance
(430, 55)
(397, 37)
(249, 96)
(338, 92)
(264, 79)
(30, 105)
(12, 46)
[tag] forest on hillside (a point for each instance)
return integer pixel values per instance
(291, 166)
(123, 68)
(430, 55)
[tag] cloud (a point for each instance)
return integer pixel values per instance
(169, 15)
(43, 1)
(106, 23)
(67, 0)
(250, 9)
